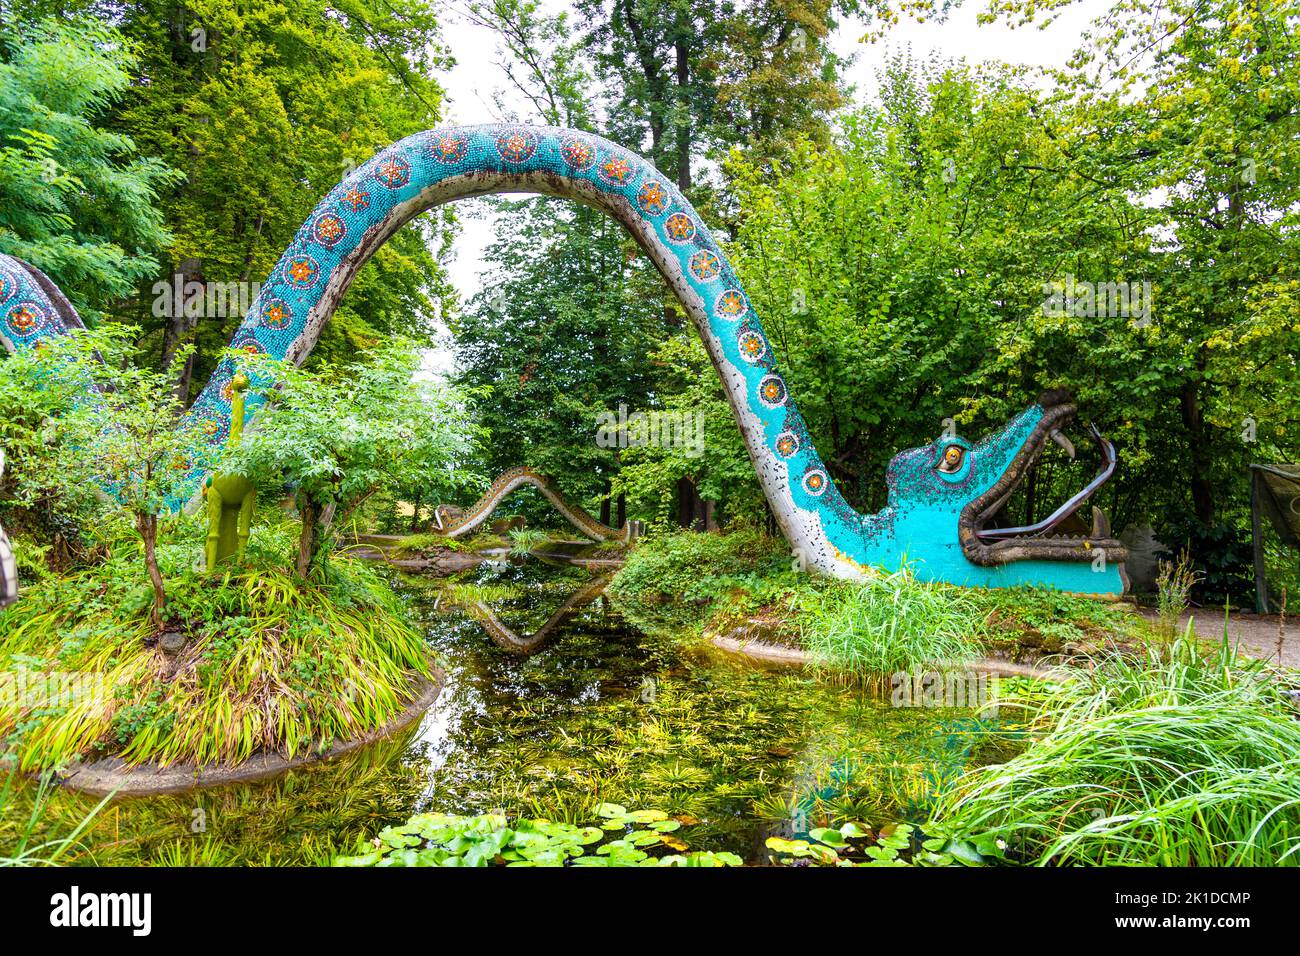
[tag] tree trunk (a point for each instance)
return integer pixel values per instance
(147, 526)
(683, 130)
(180, 327)
(1031, 494)
(1198, 443)
(620, 518)
(415, 515)
(692, 510)
(685, 501)
(308, 538)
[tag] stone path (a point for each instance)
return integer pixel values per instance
(1256, 633)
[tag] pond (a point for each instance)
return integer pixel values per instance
(554, 702)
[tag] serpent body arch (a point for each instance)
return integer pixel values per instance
(506, 484)
(942, 496)
(434, 167)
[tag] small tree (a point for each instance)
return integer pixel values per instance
(341, 434)
(124, 431)
(36, 493)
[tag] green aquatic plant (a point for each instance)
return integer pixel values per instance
(852, 844)
(616, 836)
(1181, 758)
(20, 832)
(886, 625)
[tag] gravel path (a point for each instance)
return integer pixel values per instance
(1256, 633)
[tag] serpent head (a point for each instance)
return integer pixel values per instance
(946, 497)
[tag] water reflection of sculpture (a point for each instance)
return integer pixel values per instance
(506, 638)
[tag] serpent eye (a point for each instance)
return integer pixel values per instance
(952, 458)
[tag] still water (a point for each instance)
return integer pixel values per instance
(555, 702)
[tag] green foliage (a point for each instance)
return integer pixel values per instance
(690, 567)
(1182, 759)
(903, 272)
(130, 435)
(37, 405)
(559, 334)
(77, 200)
(718, 467)
(676, 583)
(340, 434)
(1056, 618)
(888, 624)
(413, 544)
(618, 837)
(263, 110)
(270, 664)
(109, 424)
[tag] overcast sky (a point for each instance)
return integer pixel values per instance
(471, 84)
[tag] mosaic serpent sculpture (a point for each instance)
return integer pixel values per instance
(941, 496)
(457, 525)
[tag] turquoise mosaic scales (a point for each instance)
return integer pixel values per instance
(940, 496)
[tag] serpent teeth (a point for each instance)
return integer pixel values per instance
(1058, 436)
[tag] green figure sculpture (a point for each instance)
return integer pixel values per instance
(231, 498)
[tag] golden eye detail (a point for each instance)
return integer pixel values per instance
(952, 459)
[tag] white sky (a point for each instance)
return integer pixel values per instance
(471, 85)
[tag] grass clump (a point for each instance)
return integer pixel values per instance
(886, 625)
(270, 663)
(526, 540)
(1174, 591)
(1186, 758)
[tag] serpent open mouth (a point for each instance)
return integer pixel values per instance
(985, 544)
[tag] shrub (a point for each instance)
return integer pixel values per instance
(693, 566)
